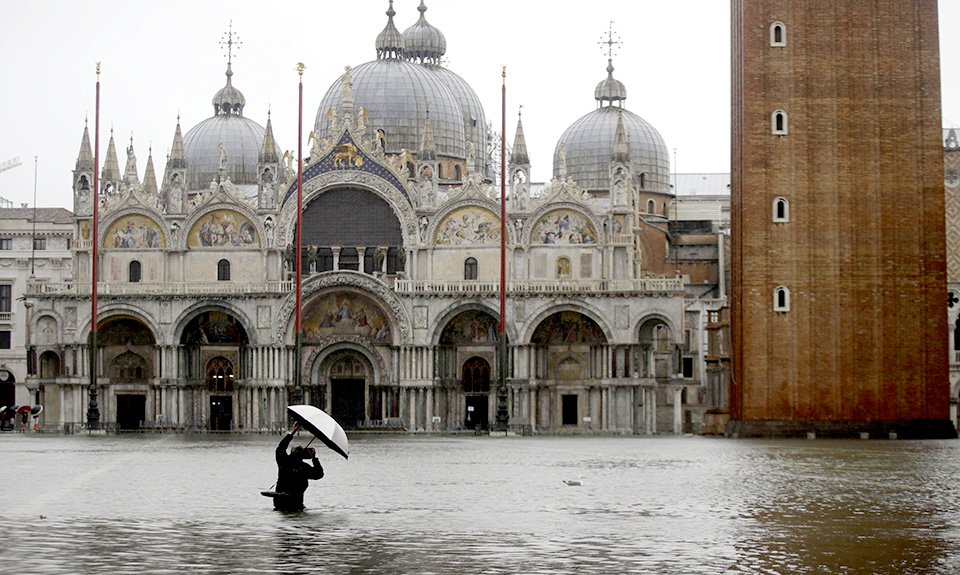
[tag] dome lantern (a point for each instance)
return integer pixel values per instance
(390, 40)
(423, 42)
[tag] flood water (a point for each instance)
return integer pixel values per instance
(466, 504)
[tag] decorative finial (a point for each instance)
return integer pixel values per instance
(612, 42)
(503, 74)
(231, 41)
(300, 68)
(98, 69)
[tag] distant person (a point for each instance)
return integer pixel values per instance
(294, 473)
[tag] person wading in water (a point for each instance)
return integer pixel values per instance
(294, 473)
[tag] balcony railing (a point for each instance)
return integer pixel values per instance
(6, 317)
(645, 285)
(402, 286)
(156, 289)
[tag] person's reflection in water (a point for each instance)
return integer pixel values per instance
(294, 473)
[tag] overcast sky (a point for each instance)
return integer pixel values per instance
(161, 59)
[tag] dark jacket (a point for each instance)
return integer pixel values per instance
(293, 476)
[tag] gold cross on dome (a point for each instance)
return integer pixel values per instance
(230, 41)
(612, 41)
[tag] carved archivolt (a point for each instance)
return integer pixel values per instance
(590, 223)
(363, 180)
(402, 327)
(141, 230)
(324, 354)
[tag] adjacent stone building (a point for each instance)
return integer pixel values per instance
(34, 248)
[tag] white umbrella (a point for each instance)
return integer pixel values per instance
(322, 426)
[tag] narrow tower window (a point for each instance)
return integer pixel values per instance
(651, 206)
(781, 299)
(781, 210)
(778, 35)
(779, 123)
(133, 274)
(223, 270)
(470, 269)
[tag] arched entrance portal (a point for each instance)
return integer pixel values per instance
(212, 347)
(128, 347)
(476, 392)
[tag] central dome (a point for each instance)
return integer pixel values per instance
(402, 85)
(395, 95)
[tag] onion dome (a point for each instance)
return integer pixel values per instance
(587, 147)
(390, 41)
(422, 42)
(610, 90)
(239, 137)
(229, 100)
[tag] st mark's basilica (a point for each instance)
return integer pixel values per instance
(608, 297)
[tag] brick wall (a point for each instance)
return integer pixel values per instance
(861, 166)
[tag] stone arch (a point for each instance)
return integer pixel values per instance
(552, 219)
(451, 209)
(132, 228)
(338, 179)
(566, 305)
(647, 321)
(455, 309)
(222, 214)
(401, 328)
(113, 311)
(192, 312)
(50, 365)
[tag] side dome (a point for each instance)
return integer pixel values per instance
(587, 147)
(396, 95)
(240, 137)
(474, 118)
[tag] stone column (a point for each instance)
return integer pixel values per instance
(336, 257)
(677, 411)
(429, 416)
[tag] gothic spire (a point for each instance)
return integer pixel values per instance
(178, 157)
(518, 155)
(621, 145)
(268, 151)
(85, 157)
(428, 147)
(150, 176)
(111, 166)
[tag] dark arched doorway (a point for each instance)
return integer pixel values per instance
(475, 376)
(220, 380)
(348, 383)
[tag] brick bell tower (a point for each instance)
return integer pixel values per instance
(837, 203)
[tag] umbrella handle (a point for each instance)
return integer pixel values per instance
(312, 440)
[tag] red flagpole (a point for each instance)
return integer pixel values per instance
(299, 334)
(503, 205)
(503, 415)
(93, 410)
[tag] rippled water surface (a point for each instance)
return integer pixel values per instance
(405, 504)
